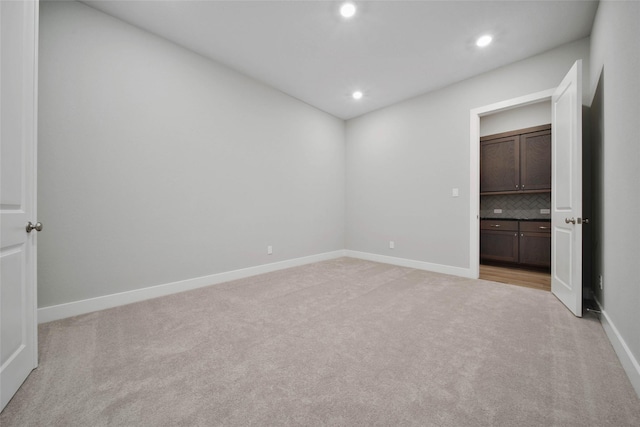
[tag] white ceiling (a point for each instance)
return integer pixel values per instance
(390, 50)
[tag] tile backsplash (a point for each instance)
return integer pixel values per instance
(515, 205)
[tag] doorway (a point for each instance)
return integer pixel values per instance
(566, 186)
(515, 196)
(510, 108)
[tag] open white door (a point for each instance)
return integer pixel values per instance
(566, 191)
(18, 74)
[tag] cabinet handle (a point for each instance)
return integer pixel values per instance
(516, 185)
(543, 228)
(523, 186)
(522, 235)
(515, 234)
(494, 225)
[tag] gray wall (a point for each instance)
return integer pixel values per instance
(517, 118)
(615, 59)
(404, 160)
(157, 165)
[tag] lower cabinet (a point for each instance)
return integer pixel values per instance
(521, 242)
(535, 243)
(499, 240)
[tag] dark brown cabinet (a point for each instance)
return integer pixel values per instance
(535, 160)
(499, 240)
(521, 242)
(500, 164)
(518, 161)
(535, 244)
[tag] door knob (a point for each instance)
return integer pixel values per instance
(570, 220)
(30, 227)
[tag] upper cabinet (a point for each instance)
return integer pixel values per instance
(535, 160)
(500, 164)
(518, 161)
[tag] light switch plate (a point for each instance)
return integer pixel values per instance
(455, 192)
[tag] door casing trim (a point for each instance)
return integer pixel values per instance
(474, 166)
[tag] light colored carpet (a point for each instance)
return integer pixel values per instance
(342, 342)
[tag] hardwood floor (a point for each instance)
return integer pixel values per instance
(512, 276)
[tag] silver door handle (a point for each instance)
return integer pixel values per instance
(570, 221)
(30, 227)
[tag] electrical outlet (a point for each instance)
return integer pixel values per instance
(497, 211)
(545, 211)
(601, 282)
(269, 250)
(392, 244)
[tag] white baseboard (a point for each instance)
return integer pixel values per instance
(628, 361)
(75, 308)
(403, 262)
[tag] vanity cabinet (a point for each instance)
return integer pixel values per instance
(516, 162)
(518, 242)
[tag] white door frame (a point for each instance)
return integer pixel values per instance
(474, 156)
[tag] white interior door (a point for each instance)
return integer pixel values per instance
(18, 323)
(566, 191)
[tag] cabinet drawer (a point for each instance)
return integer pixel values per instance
(535, 226)
(499, 225)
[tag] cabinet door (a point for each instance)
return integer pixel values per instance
(499, 245)
(500, 164)
(535, 161)
(535, 249)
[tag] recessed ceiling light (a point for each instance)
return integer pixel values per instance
(347, 10)
(484, 41)
(357, 95)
